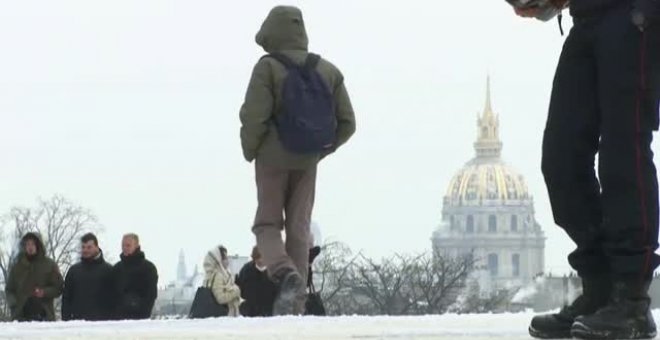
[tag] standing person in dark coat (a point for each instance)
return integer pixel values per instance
(88, 290)
(136, 281)
(605, 101)
(34, 281)
(257, 289)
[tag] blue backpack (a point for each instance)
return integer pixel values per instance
(306, 122)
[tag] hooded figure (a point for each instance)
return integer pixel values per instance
(286, 181)
(284, 32)
(220, 280)
(34, 282)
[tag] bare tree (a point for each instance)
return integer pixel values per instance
(399, 285)
(473, 300)
(332, 275)
(57, 220)
(499, 301)
(386, 284)
(4, 265)
(331, 272)
(7, 251)
(437, 279)
(5, 315)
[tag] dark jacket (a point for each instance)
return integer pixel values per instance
(258, 291)
(284, 32)
(136, 287)
(581, 8)
(88, 291)
(27, 274)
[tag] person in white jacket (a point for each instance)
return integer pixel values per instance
(221, 281)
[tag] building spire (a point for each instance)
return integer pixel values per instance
(488, 108)
(181, 268)
(488, 144)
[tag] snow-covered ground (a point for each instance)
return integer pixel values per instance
(497, 326)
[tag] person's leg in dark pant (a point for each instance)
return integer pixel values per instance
(627, 64)
(569, 147)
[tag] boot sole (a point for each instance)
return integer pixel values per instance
(550, 335)
(580, 331)
(285, 303)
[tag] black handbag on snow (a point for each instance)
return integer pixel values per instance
(314, 304)
(205, 306)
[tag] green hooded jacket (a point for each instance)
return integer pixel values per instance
(30, 273)
(283, 31)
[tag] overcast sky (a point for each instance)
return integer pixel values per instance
(131, 107)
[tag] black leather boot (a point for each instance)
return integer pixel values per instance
(595, 292)
(627, 315)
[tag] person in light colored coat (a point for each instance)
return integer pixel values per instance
(219, 278)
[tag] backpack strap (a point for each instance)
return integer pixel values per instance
(213, 280)
(311, 288)
(284, 60)
(312, 61)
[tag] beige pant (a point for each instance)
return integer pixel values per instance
(290, 193)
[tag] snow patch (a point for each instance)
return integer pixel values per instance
(442, 327)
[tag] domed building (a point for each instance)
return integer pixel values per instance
(489, 211)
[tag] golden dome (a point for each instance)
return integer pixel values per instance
(480, 181)
(486, 177)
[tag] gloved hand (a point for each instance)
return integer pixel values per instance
(541, 10)
(645, 13)
(560, 4)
